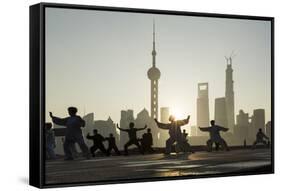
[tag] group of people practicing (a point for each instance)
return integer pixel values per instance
(178, 137)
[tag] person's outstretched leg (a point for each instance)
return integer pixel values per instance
(139, 147)
(109, 150)
(67, 149)
(102, 149)
(209, 145)
(94, 148)
(116, 150)
(83, 147)
(224, 145)
(169, 143)
(126, 147)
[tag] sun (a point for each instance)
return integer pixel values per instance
(178, 113)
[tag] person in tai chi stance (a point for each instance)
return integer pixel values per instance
(215, 136)
(175, 133)
(133, 140)
(73, 133)
(97, 142)
(260, 138)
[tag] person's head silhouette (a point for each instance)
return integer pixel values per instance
(110, 135)
(260, 130)
(149, 130)
(172, 118)
(131, 125)
(184, 131)
(72, 111)
(212, 122)
(95, 131)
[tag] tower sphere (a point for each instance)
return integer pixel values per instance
(153, 73)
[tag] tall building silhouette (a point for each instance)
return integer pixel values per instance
(154, 75)
(258, 120)
(220, 112)
(203, 117)
(164, 114)
(268, 129)
(229, 95)
(242, 127)
(164, 118)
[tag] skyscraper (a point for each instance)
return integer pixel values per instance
(202, 107)
(154, 75)
(229, 95)
(220, 112)
(164, 118)
(242, 127)
(165, 113)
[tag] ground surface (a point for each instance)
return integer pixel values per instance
(156, 165)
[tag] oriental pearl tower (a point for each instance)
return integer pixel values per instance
(154, 75)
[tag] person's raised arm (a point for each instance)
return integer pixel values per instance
(142, 128)
(89, 137)
(120, 128)
(204, 128)
(223, 129)
(57, 120)
(183, 122)
(162, 125)
(266, 137)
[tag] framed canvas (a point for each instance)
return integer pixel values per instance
(131, 95)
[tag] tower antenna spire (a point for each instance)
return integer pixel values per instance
(154, 49)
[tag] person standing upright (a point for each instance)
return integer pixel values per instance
(73, 132)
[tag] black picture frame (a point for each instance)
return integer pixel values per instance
(37, 91)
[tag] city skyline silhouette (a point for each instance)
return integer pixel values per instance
(101, 67)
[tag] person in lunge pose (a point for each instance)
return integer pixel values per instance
(97, 142)
(215, 136)
(112, 144)
(73, 133)
(132, 132)
(260, 138)
(175, 133)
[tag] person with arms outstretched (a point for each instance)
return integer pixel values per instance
(215, 136)
(97, 142)
(132, 132)
(73, 132)
(260, 138)
(175, 133)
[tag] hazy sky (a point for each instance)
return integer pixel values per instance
(98, 61)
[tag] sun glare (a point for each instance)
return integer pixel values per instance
(178, 113)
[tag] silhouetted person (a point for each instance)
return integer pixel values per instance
(186, 146)
(215, 136)
(112, 144)
(132, 132)
(97, 143)
(260, 138)
(147, 141)
(73, 132)
(175, 133)
(50, 143)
